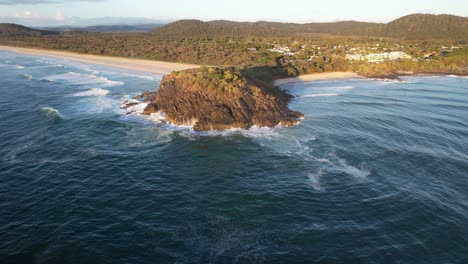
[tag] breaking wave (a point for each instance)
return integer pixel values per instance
(74, 78)
(92, 92)
(27, 76)
(145, 77)
(50, 112)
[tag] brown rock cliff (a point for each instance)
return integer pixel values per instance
(216, 99)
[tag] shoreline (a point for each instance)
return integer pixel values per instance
(141, 65)
(319, 77)
(328, 76)
(163, 68)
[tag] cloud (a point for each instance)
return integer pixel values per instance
(59, 16)
(35, 2)
(27, 15)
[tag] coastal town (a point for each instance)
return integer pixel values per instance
(373, 54)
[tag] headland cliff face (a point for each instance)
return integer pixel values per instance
(217, 99)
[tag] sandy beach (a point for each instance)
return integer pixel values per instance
(158, 67)
(319, 76)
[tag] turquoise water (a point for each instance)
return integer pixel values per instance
(377, 172)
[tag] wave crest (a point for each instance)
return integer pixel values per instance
(82, 79)
(50, 112)
(92, 92)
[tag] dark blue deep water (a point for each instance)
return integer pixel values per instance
(376, 173)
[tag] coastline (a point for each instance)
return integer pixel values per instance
(353, 75)
(319, 77)
(157, 67)
(164, 68)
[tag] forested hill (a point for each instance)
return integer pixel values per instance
(14, 30)
(428, 26)
(262, 29)
(416, 26)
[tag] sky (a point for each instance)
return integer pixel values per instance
(82, 12)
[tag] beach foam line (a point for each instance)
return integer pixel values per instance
(319, 76)
(320, 95)
(348, 87)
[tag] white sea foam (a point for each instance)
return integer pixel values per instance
(253, 132)
(146, 77)
(8, 64)
(96, 104)
(50, 63)
(82, 79)
(27, 76)
(333, 163)
(50, 111)
(322, 160)
(320, 95)
(342, 166)
(81, 66)
(160, 120)
(92, 92)
(456, 76)
(314, 179)
(187, 129)
(348, 87)
(135, 109)
(158, 117)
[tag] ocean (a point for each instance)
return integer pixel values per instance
(377, 172)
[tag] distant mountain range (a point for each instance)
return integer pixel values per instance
(107, 28)
(13, 30)
(415, 26)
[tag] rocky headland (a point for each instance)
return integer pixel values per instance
(212, 98)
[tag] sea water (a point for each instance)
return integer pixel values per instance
(377, 172)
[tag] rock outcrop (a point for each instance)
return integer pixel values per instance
(217, 99)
